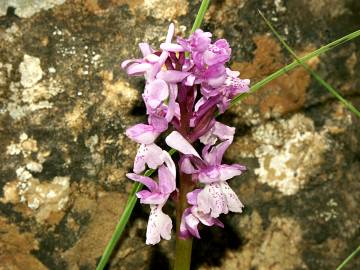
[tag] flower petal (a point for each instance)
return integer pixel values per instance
(154, 157)
(191, 224)
(153, 197)
(169, 163)
(214, 156)
(170, 33)
(159, 225)
(219, 130)
(205, 219)
(178, 142)
(186, 166)
(145, 48)
(147, 181)
(171, 47)
(229, 171)
(152, 58)
(232, 199)
(209, 175)
(158, 123)
(142, 133)
(167, 181)
(192, 196)
(126, 63)
(172, 76)
(156, 92)
(211, 200)
(172, 102)
(138, 69)
(184, 233)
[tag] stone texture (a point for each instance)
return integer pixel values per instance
(65, 103)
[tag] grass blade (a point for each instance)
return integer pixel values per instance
(295, 64)
(352, 255)
(200, 15)
(309, 70)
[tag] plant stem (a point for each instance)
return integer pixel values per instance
(352, 255)
(200, 15)
(119, 228)
(183, 247)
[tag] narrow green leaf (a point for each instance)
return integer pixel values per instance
(348, 259)
(309, 70)
(200, 15)
(295, 64)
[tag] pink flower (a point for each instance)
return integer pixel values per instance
(159, 226)
(193, 216)
(216, 197)
(187, 81)
(148, 154)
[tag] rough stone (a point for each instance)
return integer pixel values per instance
(65, 104)
(27, 8)
(30, 70)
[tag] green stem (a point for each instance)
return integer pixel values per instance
(119, 227)
(200, 15)
(183, 247)
(352, 255)
(309, 70)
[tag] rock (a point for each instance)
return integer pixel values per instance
(30, 70)
(26, 9)
(65, 104)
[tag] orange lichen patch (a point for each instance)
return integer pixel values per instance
(15, 249)
(76, 119)
(105, 213)
(119, 95)
(283, 95)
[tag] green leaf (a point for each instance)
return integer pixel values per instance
(200, 15)
(309, 70)
(352, 255)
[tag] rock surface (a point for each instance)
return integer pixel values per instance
(65, 103)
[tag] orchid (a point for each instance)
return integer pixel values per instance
(187, 85)
(186, 82)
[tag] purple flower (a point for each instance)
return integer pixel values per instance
(151, 63)
(186, 83)
(148, 154)
(231, 88)
(217, 53)
(159, 224)
(192, 217)
(155, 93)
(141, 133)
(156, 193)
(218, 131)
(177, 141)
(216, 197)
(197, 42)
